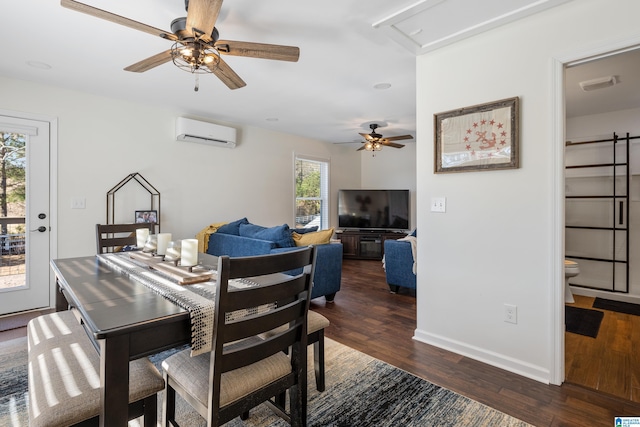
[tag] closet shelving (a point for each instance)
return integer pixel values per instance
(598, 237)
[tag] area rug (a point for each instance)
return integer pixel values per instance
(617, 306)
(582, 320)
(360, 391)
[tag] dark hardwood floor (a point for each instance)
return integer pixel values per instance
(608, 362)
(365, 316)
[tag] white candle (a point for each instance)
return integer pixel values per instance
(189, 253)
(163, 242)
(141, 236)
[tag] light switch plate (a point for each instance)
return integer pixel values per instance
(438, 204)
(78, 203)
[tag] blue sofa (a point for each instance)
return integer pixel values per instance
(398, 262)
(328, 273)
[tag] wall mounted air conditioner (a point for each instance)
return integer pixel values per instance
(205, 133)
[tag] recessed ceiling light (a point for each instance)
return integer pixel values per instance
(271, 119)
(38, 64)
(382, 86)
(415, 32)
(598, 83)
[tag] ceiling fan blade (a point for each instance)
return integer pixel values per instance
(397, 138)
(258, 50)
(367, 136)
(151, 62)
(391, 144)
(108, 16)
(226, 74)
(202, 16)
(361, 148)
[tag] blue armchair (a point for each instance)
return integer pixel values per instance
(398, 261)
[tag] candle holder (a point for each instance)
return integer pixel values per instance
(151, 245)
(172, 254)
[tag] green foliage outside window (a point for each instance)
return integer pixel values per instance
(12, 172)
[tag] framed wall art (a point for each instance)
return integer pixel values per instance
(478, 138)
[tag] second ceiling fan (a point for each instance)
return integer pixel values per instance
(374, 141)
(196, 47)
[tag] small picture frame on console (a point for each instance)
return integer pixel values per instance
(146, 217)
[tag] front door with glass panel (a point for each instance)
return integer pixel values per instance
(24, 214)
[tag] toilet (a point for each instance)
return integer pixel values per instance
(570, 270)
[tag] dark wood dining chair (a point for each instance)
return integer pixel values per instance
(316, 323)
(64, 376)
(113, 237)
(244, 370)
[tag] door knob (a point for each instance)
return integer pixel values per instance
(41, 229)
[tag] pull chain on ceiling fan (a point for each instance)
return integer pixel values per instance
(196, 46)
(374, 141)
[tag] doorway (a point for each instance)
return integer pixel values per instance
(608, 104)
(25, 213)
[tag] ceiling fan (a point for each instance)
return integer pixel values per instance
(374, 141)
(196, 47)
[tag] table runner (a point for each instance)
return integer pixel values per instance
(198, 299)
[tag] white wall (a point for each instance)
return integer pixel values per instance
(594, 127)
(102, 140)
(494, 244)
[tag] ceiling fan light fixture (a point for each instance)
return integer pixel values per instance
(372, 146)
(194, 56)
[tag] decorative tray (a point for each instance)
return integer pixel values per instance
(184, 275)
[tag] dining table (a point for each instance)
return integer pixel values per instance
(124, 317)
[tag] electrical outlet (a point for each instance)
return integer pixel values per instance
(510, 313)
(438, 204)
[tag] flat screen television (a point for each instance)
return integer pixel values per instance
(373, 209)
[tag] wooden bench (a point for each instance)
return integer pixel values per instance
(64, 376)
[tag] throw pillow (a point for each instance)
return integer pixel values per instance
(304, 230)
(314, 238)
(203, 235)
(233, 227)
(279, 234)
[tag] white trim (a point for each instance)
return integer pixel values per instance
(489, 357)
(607, 47)
(53, 187)
(556, 251)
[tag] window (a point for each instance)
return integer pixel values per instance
(312, 192)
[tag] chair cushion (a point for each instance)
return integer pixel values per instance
(192, 373)
(64, 372)
(316, 321)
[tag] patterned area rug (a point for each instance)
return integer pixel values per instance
(361, 391)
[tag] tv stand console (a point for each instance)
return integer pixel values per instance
(365, 244)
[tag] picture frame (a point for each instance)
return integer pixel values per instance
(146, 217)
(478, 138)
